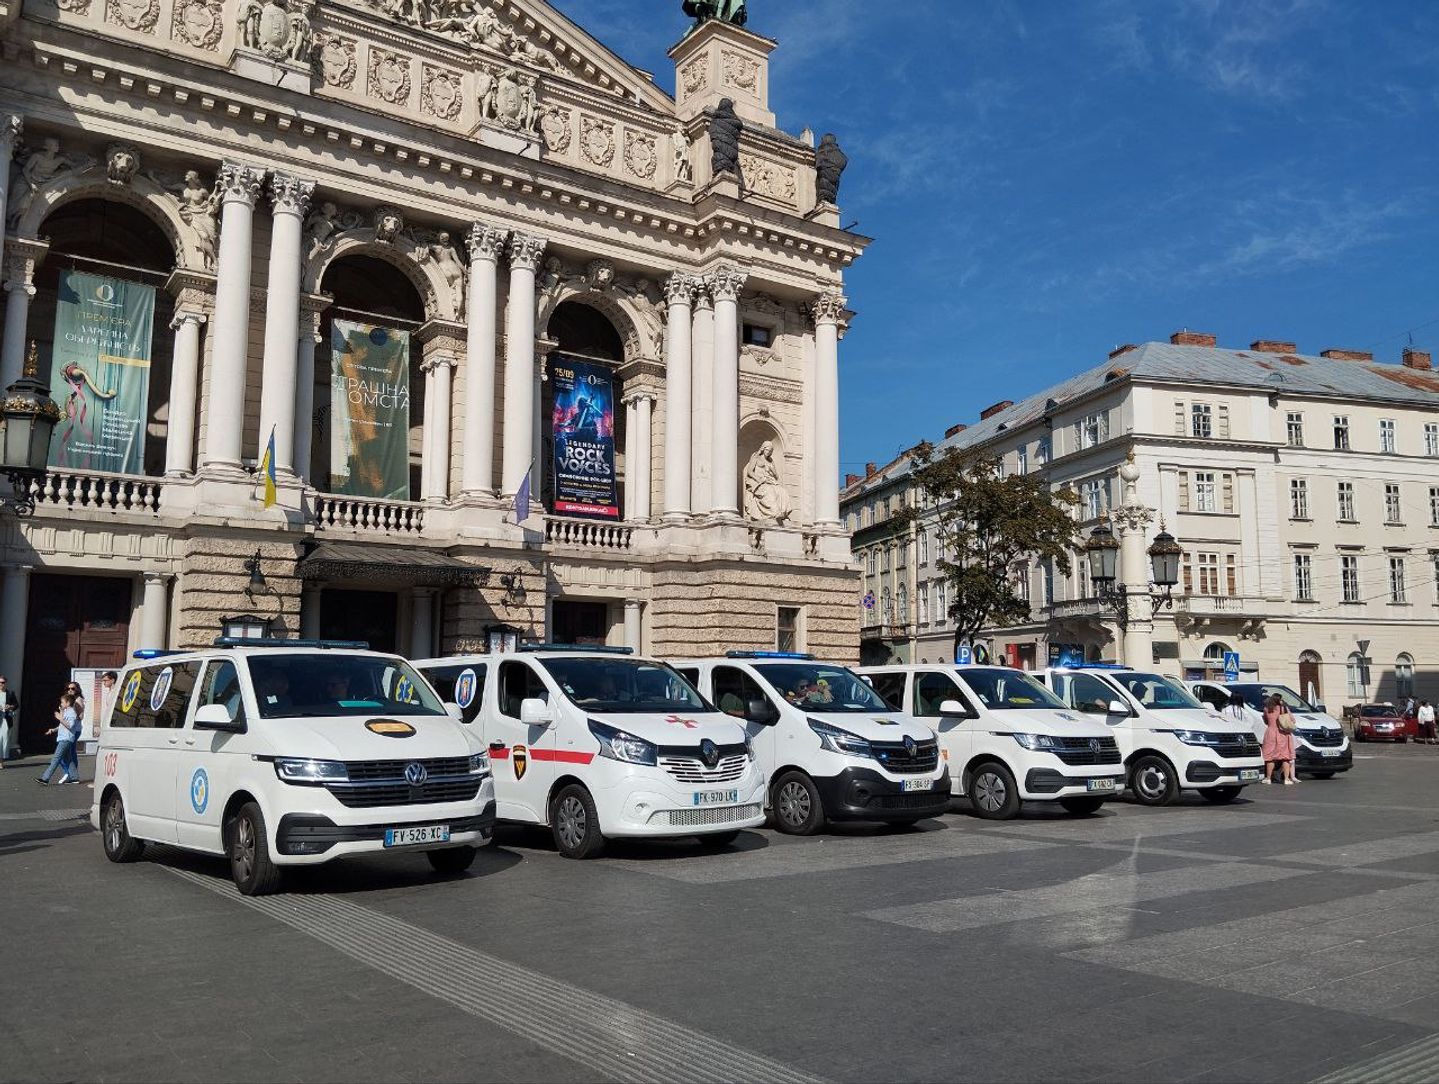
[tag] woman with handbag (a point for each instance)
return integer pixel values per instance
(1278, 748)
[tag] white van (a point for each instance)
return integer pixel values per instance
(1009, 739)
(1169, 740)
(1321, 748)
(597, 743)
(830, 747)
(281, 753)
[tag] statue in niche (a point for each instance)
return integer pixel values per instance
(765, 498)
(488, 90)
(680, 149)
(326, 223)
(829, 163)
(197, 210)
(42, 166)
(725, 128)
(441, 253)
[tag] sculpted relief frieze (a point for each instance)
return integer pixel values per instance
(138, 15)
(694, 77)
(336, 56)
(740, 72)
(441, 93)
(641, 157)
(198, 23)
(597, 140)
(509, 97)
(769, 178)
(471, 23)
(389, 76)
(555, 127)
(275, 30)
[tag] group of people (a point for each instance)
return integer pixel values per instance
(68, 729)
(1423, 715)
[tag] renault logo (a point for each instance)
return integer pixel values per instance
(909, 745)
(415, 774)
(709, 753)
(1094, 745)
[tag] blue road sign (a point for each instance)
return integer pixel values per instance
(965, 656)
(1231, 666)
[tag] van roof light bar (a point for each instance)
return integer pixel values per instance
(593, 649)
(768, 655)
(154, 653)
(271, 641)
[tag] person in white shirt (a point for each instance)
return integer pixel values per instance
(1427, 733)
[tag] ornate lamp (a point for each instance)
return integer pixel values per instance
(28, 416)
(245, 627)
(1164, 554)
(1102, 552)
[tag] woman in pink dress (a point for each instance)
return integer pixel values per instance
(1278, 746)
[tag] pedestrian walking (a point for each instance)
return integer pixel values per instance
(1278, 748)
(9, 720)
(67, 737)
(74, 690)
(1427, 733)
(107, 697)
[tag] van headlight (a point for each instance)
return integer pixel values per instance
(840, 741)
(626, 748)
(479, 763)
(1194, 737)
(1037, 742)
(298, 770)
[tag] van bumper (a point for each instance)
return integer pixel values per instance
(1046, 784)
(303, 838)
(861, 794)
(1310, 760)
(1199, 774)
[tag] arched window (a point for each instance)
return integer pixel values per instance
(1404, 676)
(1310, 663)
(886, 612)
(902, 605)
(1354, 675)
(1216, 651)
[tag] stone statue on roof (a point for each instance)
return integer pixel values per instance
(726, 11)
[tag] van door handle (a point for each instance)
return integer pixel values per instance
(173, 741)
(497, 746)
(189, 741)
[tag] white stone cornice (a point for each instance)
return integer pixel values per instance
(828, 308)
(726, 281)
(487, 242)
(526, 250)
(290, 195)
(239, 183)
(12, 126)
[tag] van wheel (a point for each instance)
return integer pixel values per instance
(575, 823)
(797, 808)
(250, 865)
(452, 860)
(992, 792)
(120, 846)
(1221, 795)
(1082, 805)
(718, 841)
(1152, 781)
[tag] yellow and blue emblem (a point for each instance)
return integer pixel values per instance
(130, 691)
(199, 790)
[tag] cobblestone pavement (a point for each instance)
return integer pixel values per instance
(1293, 936)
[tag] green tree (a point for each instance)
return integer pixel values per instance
(989, 523)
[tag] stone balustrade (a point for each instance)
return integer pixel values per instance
(370, 514)
(67, 490)
(588, 534)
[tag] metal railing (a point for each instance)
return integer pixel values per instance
(588, 534)
(368, 514)
(69, 490)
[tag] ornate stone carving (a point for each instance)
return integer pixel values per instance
(272, 30)
(121, 163)
(726, 281)
(725, 129)
(769, 178)
(198, 23)
(641, 157)
(694, 76)
(197, 210)
(40, 167)
(324, 225)
(828, 307)
(75, 7)
(441, 94)
(471, 22)
(239, 182)
(680, 287)
(680, 154)
(765, 498)
(290, 194)
(337, 61)
(555, 127)
(389, 224)
(138, 15)
(389, 76)
(509, 97)
(597, 140)
(486, 242)
(437, 249)
(740, 72)
(526, 250)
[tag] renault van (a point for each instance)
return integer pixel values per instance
(830, 747)
(279, 753)
(597, 743)
(1169, 740)
(1321, 748)
(1009, 739)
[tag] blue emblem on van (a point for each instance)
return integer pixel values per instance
(415, 774)
(199, 790)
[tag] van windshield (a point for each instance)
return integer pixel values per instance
(820, 687)
(1000, 689)
(319, 684)
(624, 685)
(1155, 691)
(1256, 696)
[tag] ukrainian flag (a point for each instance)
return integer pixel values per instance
(267, 469)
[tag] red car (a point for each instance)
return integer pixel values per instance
(1383, 722)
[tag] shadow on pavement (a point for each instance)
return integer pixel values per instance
(10, 841)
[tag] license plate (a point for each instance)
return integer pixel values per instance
(1099, 784)
(716, 797)
(1250, 775)
(408, 837)
(1330, 752)
(916, 784)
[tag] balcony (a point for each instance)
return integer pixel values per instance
(888, 630)
(588, 534)
(404, 519)
(1222, 606)
(73, 491)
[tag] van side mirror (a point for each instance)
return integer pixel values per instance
(535, 712)
(217, 717)
(1321, 709)
(454, 712)
(1117, 707)
(761, 711)
(952, 707)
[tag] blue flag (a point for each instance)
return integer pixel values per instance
(522, 500)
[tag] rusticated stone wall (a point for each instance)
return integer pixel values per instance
(212, 583)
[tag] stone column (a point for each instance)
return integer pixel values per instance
(477, 466)
(14, 612)
(427, 430)
(154, 610)
(19, 289)
(437, 426)
(422, 623)
(225, 408)
(725, 285)
(644, 457)
(679, 291)
(310, 612)
(519, 423)
(702, 330)
(291, 202)
(1131, 523)
(309, 338)
(827, 310)
(184, 394)
(633, 627)
(11, 127)
(631, 454)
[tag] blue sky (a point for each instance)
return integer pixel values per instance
(1047, 179)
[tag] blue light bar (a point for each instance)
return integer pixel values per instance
(270, 641)
(1099, 666)
(768, 655)
(596, 649)
(154, 653)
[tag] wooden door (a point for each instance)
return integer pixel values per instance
(580, 622)
(74, 621)
(371, 616)
(1309, 675)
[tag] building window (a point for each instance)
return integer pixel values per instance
(1404, 676)
(941, 607)
(1354, 675)
(938, 545)
(924, 547)
(1042, 451)
(1201, 420)
(1393, 511)
(1296, 429)
(1204, 497)
(1341, 432)
(1092, 494)
(1048, 582)
(886, 611)
(757, 335)
(1303, 577)
(787, 629)
(1431, 439)
(1387, 441)
(1092, 430)
(922, 600)
(1398, 594)
(1434, 563)
(1020, 575)
(1207, 566)
(873, 560)
(1349, 576)
(901, 605)
(1298, 498)
(1346, 502)
(1434, 506)
(1021, 459)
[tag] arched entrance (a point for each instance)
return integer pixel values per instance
(584, 332)
(1310, 667)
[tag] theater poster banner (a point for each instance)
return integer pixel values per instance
(369, 411)
(583, 425)
(100, 373)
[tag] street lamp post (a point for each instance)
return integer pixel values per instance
(27, 421)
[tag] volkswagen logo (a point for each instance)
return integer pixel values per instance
(709, 753)
(1094, 745)
(415, 774)
(909, 745)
